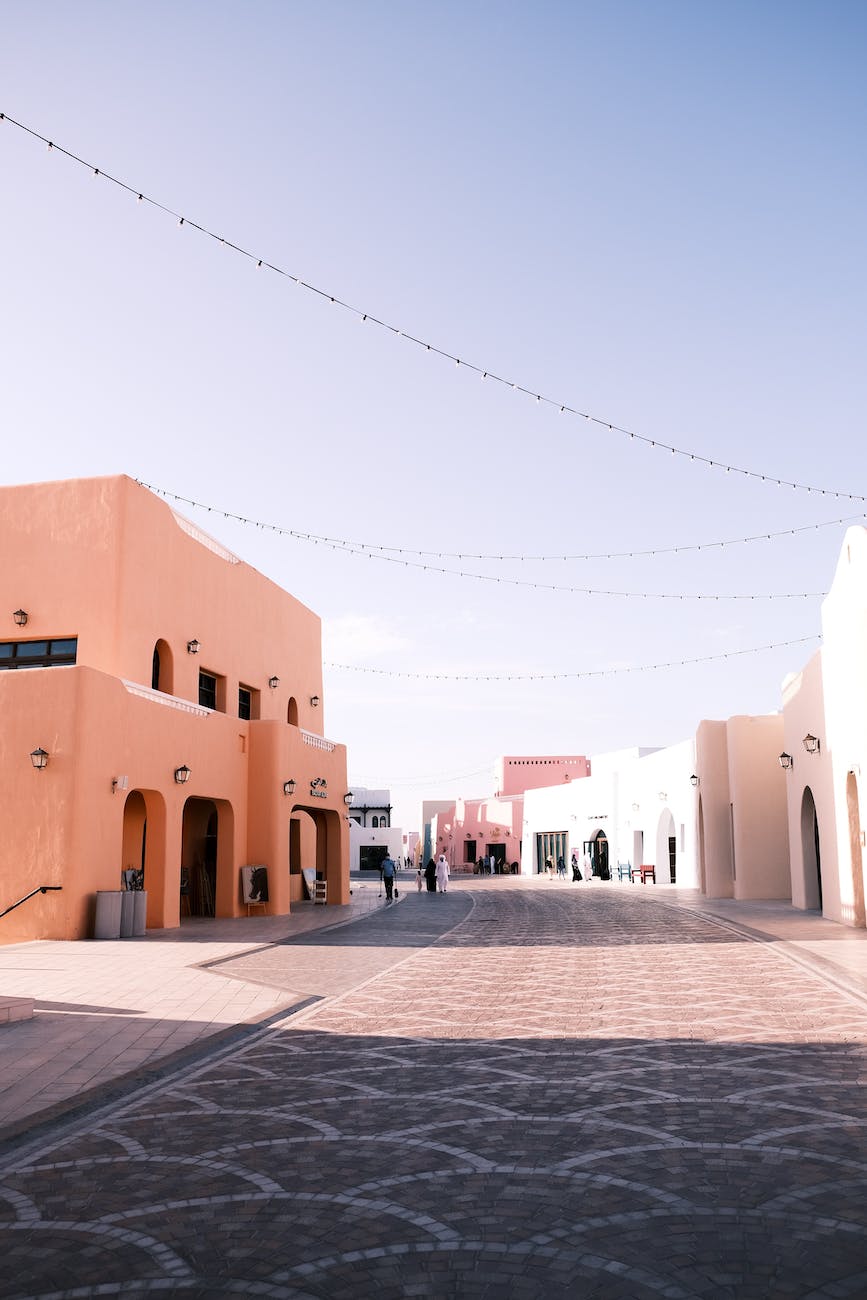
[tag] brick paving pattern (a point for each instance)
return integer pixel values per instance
(573, 1092)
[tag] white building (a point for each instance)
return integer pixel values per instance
(637, 808)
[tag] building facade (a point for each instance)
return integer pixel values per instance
(163, 718)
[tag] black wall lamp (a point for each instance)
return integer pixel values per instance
(20, 617)
(314, 700)
(812, 744)
(193, 647)
(289, 786)
(182, 774)
(39, 758)
(695, 779)
(786, 761)
(348, 797)
(273, 682)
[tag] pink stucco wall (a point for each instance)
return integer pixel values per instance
(519, 772)
(107, 562)
(742, 831)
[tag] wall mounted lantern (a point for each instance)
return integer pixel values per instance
(786, 761)
(348, 797)
(182, 774)
(663, 795)
(39, 759)
(314, 700)
(20, 617)
(289, 786)
(694, 780)
(812, 744)
(273, 682)
(193, 647)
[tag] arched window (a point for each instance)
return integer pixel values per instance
(374, 822)
(292, 712)
(162, 677)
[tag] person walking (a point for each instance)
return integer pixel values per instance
(561, 867)
(442, 874)
(387, 872)
(430, 875)
(418, 878)
(576, 870)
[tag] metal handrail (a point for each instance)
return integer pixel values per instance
(40, 889)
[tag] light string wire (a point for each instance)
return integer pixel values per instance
(559, 677)
(397, 332)
(377, 548)
(349, 548)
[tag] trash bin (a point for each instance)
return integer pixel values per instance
(127, 913)
(140, 904)
(106, 923)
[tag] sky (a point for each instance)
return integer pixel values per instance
(649, 213)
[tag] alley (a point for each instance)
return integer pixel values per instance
(534, 1090)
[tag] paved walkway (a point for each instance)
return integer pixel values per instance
(605, 1091)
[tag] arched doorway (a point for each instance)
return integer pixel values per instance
(135, 824)
(666, 848)
(314, 846)
(701, 860)
(162, 668)
(597, 847)
(207, 886)
(859, 916)
(143, 849)
(811, 852)
(292, 712)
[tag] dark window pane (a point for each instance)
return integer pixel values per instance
(6, 650)
(67, 647)
(244, 699)
(32, 649)
(207, 691)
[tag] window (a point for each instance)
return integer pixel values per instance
(38, 654)
(374, 821)
(207, 690)
(248, 702)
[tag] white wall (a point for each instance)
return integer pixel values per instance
(623, 799)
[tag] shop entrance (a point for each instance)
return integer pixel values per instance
(549, 844)
(597, 848)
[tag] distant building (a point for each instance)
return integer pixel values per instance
(162, 717)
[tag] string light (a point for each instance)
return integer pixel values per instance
(562, 676)
(483, 372)
(349, 548)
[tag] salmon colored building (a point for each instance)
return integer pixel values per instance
(162, 717)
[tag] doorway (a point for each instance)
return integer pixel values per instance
(199, 847)
(811, 852)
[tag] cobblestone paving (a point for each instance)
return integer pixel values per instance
(572, 1093)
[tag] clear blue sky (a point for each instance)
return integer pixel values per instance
(653, 212)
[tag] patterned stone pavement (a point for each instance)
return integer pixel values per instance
(570, 1093)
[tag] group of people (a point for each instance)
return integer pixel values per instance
(435, 876)
(582, 870)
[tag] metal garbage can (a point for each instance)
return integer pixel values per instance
(106, 923)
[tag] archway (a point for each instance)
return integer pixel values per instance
(207, 886)
(163, 668)
(810, 852)
(859, 915)
(701, 859)
(314, 845)
(143, 850)
(134, 836)
(597, 847)
(666, 848)
(292, 712)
